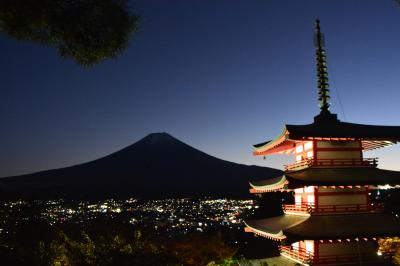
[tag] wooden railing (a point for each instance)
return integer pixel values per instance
(298, 254)
(343, 208)
(308, 257)
(320, 163)
(300, 208)
(347, 258)
(300, 164)
(329, 209)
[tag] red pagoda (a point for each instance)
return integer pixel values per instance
(332, 220)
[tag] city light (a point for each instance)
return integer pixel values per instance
(175, 216)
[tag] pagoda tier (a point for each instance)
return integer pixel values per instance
(330, 227)
(328, 240)
(340, 252)
(370, 136)
(329, 177)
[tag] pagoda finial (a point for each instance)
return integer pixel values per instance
(322, 72)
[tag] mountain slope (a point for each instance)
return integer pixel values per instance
(157, 166)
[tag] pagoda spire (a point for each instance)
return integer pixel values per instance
(322, 72)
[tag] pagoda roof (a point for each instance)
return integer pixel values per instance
(372, 136)
(273, 227)
(328, 177)
(326, 226)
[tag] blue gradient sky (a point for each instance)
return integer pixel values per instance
(220, 75)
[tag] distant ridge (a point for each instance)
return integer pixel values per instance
(156, 166)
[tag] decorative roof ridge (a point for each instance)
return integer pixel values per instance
(341, 122)
(337, 122)
(283, 133)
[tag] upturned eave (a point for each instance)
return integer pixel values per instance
(332, 177)
(326, 226)
(371, 136)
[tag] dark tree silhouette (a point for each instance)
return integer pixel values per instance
(88, 31)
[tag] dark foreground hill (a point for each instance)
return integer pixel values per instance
(157, 166)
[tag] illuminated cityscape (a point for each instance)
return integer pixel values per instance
(169, 217)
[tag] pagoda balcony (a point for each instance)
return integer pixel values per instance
(344, 259)
(332, 209)
(329, 163)
(298, 208)
(298, 254)
(309, 258)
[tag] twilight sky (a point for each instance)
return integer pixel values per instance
(220, 75)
